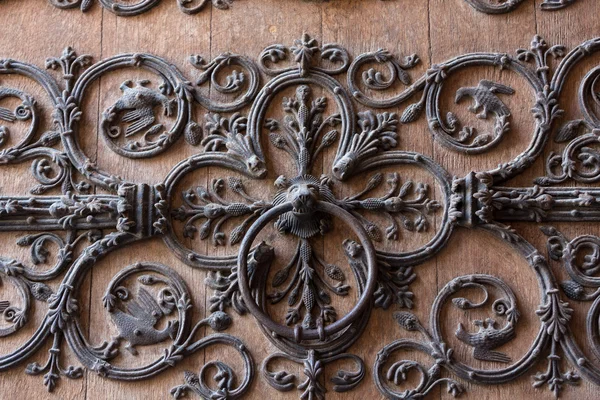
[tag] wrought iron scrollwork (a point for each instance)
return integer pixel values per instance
(150, 304)
(127, 9)
(504, 6)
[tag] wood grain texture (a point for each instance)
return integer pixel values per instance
(436, 30)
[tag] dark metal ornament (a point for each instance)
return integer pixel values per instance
(127, 9)
(311, 333)
(504, 6)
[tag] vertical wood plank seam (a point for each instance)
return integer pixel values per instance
(208, 171)
(89, 310)
(432, 148)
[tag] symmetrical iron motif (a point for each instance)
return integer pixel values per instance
(150, 304)
(128, 9)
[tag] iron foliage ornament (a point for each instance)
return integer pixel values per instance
(149, 303)
(128, 9)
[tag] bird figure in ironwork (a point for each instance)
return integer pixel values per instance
(487, 339)
(136, 323)
(485, 98)
(137, 104)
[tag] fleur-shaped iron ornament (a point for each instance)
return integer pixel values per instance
(150, 304)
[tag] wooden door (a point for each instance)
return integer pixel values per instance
(267, 199)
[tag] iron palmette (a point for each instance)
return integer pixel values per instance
(304, 206)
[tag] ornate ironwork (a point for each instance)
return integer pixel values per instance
(150, 304)
(504, 6)
(128, 9)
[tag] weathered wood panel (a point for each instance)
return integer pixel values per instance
(436, 30)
